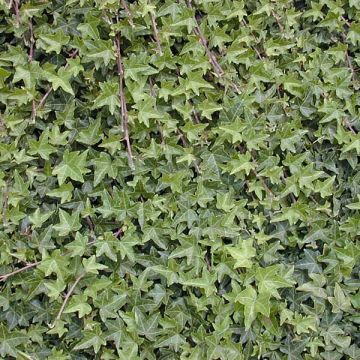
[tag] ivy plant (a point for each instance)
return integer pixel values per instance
(179, 179)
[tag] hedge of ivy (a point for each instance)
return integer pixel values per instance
(179, 179)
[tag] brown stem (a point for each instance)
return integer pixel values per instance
(5, 204)
(253, 47)
(156, 34)
(28, 266)
(257, 53)
(31, 57)
(348, 23)
(268, 190)
(118, 233)
(48, 92)
(182, 138)
(348, 125)
(67, 297)
(124, 113)
(128, 13)
(90, 223)
(152, 90)
(31, 51)
(348, 60)
(277, 18)
(293, 199)
(33, 111)
(31, 265)
(43, 99)
(17, 12)
(216, 66)
(212, 59)
(196, 117)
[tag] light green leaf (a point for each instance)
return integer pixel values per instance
(339, 301)
(109, 96)
(68, 223)
(52, 42)
(73, 166)
(91, 266)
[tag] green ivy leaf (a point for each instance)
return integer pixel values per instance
(92, 338)
(253, 304)
(68, 223)
(52, 42)
(272, 278)
(9, 340)
(109, 96)
(339, 301)
(91, 266)
(73, 166)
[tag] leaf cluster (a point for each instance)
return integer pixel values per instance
(179, 179)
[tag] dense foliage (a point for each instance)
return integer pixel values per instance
(179, 180)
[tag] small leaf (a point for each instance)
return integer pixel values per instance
(73, 166)
(68, 223)
(339, 301)
(91, 266)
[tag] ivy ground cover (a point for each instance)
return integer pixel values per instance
(179, 179)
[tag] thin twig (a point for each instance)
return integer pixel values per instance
(348, 59)
(196, 117)
(156, 34)
(31, 57)
(67, 297)
(347, 22)
(43, 99)
(293, 199)
(48, 92)
(257, 52)
(128, 13)
(152, 90)
(33, 111)
(350, 65)
(277, 18)
(31, 265)
(124, 113)
(216, 66)
(253, 47)
(268, 190)
(348, 125)
(17, 12)
(118, 233)
(28, 266)
(90, 223)
(5, 204)
(31, 51)
(182, 138)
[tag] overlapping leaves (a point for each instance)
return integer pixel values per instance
(179, 179)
